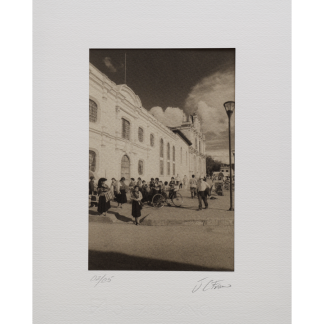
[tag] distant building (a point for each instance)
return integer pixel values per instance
(225, 169)
(125, 140)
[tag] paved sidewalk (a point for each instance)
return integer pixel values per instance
(216, 215)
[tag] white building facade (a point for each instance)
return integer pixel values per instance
(125, 140)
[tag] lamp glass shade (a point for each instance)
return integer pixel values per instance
(229, 106)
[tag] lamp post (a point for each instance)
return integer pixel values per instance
(229, 107)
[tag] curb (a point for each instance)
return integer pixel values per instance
(207, 222)
(110, 219)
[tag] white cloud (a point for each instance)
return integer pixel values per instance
(108, 62)
(207, 98)
(170, 117)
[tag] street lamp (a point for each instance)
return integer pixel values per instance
(229, 107)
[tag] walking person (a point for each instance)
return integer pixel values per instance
(122, 199)
(185, 180)
(103, 192)
(193, 186)
(201, 190)
(136, 197)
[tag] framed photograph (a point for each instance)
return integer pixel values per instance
(188, 132)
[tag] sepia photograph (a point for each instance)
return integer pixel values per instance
(161, 159)
(174, 232)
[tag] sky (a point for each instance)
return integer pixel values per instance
(172, 81)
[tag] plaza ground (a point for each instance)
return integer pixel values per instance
(168, 238)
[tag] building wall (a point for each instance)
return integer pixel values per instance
(117, 102)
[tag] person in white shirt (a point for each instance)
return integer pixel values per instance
(201, 190)
(193, 186)
(185, 181)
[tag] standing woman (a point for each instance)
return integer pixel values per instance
(122, 199)
(104, 203)
(136, 197)
(140, 185)
(131, 184)
(145, 191)
(115, 188)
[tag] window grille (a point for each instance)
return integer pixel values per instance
(152, 140)
(173, 154)
(92, 161)
(93, 108)
(140, 134)
(140, 167)
(161, 167)
(125, 129)
(168, 151)
(161, 148)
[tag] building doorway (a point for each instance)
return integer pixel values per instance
(125, 167)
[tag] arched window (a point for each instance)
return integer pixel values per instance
(125, 129)
(140, 167)
(152, 140)
(93, 109)
(161, 158)
(92, 161)
(173, 158)
(181, 155)
(196, 143)
(168, 150)
(161, 167)
(168, 164)
(140, 134)
(161, 148)
(186, 158)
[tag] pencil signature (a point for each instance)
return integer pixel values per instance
(101, 279)
(209, 284)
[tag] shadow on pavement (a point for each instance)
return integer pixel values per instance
(142, 218)
(93, 212)
(119, 261)
(121, 217)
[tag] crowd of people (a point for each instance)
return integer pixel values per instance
(142, 192)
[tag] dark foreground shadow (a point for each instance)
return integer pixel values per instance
(119, 261)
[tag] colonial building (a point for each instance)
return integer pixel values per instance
(127, 141)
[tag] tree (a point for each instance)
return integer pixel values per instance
(212, 165)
